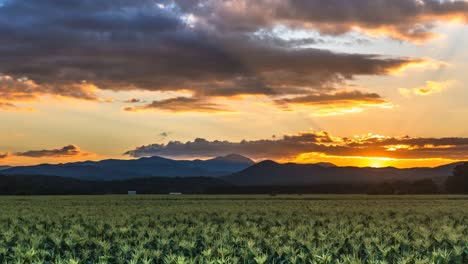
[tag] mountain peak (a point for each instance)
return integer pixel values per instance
(235, 158)
(155, 166)
(267, 163)
(4, 167)
(159, 158)
(325, 164)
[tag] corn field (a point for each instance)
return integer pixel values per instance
(234, 229)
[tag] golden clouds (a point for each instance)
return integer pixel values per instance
(23, 90)
(291, 147)
(6, 106)
(320, 104)
(20, 89)
(431, 87)
(4, 156)
(397, 147)
(55, 155)
(64, 152)
(70, 150)
(180, 104)
(340, 102)
(13, 90)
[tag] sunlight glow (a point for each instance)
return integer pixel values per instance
(375, 162)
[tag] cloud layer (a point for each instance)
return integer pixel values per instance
(336, 103)
(411, 20)
(206, 47)
(431, 87)
(69, 151)
(291, 146)
(180, 104)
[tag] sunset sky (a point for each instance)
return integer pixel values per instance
(353, 82)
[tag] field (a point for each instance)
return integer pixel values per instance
(234, 229)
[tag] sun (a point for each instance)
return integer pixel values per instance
(376, 163)
(379, 162)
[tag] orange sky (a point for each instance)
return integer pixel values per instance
(387, 90)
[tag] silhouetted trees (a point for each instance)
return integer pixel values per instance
(458, 183)
(49, 185)
(425, 186)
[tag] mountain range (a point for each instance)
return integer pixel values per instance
(233, 169)
(271, 173)
(113, 169)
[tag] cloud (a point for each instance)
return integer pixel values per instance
(7, 106)
(82, 46)
(133, 101)
(337, 98)
(409, 20)
(22, 89)
(431, 87)
(180, 104)
(67, 151)
(323, 143)
(336, 103)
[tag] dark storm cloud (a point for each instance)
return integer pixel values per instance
(318, 142)
(180, 104)
(4, 156)
(411, 20)
(68, 47)
(70, 150)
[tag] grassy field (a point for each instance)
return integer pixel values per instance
(234, 229)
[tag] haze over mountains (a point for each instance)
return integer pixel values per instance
(108, 170)
(233, 169)
(271, 173)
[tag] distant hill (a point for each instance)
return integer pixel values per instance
(271, 173)
(233, 169)
(4, 167)
(325, 164)
(113, 169)
(51, 185)
(264, 177)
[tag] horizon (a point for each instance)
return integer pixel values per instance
(255, 161)
(289, 81)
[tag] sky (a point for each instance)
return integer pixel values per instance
(353, 82)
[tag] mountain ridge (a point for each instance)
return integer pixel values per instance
(269, 172)
(233, 168)
(114, 169)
